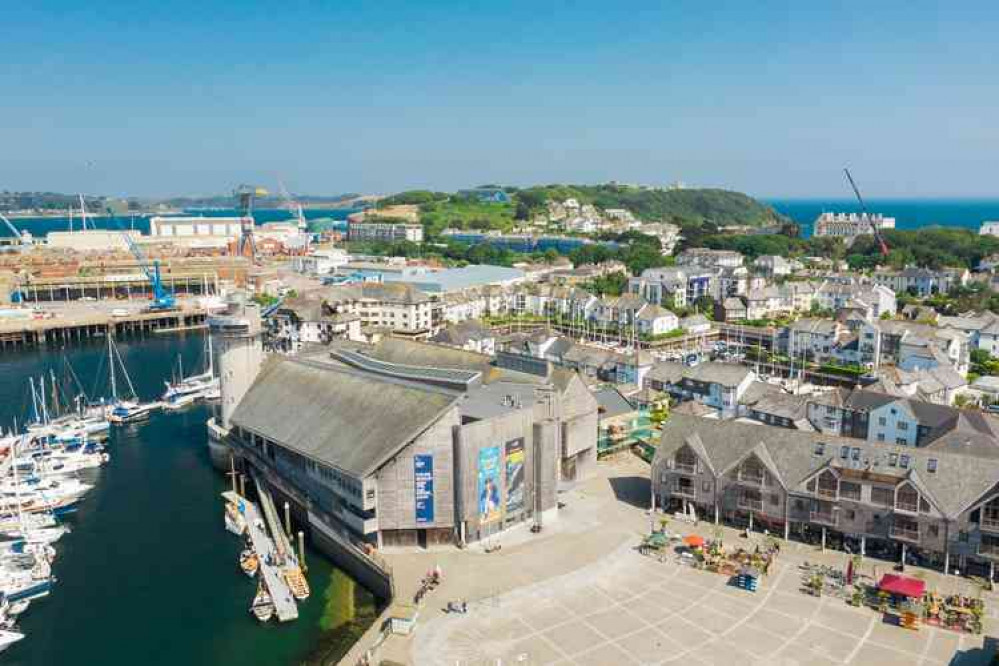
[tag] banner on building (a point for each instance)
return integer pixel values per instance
(423, 468)
(514, 475)
(489, 485)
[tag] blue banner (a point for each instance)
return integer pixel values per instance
(489, 485)
(423, 468)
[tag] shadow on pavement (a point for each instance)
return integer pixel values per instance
(634, 490)
(982, 656)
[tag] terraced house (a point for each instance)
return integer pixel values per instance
(938, 507)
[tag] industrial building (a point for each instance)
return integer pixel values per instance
(402, 443)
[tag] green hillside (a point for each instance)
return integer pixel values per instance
(687, 206)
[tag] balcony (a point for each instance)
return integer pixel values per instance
(905, 533)
(907, 507)
(685, 491)
(989, 548)
(685, 468)
(989, 523)
(755, 480)
(827, 493)
(749, 504)
(824, 517)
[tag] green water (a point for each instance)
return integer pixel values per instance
(149, 575)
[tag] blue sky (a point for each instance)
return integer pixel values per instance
(156, 98)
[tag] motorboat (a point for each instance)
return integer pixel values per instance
(235, 520)
(249, 562)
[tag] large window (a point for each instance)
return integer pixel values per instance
(882, 497)
(907, 499)
(849, 490)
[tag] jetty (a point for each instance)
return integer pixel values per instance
(267, 553)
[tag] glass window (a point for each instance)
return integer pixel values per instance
(881, 437)
(882, 421)
(892, 459)
(900, 441)
(820, 448)
(903, 461)
(856, 453)
(903, 425)
(844, 452)
(931, 465)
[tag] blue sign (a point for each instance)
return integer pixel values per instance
(423, 468)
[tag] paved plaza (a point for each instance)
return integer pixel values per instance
(582, 594)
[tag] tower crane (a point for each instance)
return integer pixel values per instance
(245, 195)
(882, 245)
(294, 207)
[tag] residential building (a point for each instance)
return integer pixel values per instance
(654, 320)
(386, 232)
(922, 282)
(310, 318)
(470, 335)
(989, 229)
(850, 225)
(775, 266)
(701, 257)
(398, 307)
(720, 386)
(938, 505)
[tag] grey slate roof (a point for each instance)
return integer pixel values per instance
(353, 421)
(611, 403)
(960, 480)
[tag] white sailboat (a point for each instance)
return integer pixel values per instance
(187, 390)
(129, 409)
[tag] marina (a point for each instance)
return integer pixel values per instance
(158, 475)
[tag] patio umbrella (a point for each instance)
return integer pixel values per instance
(694, 541)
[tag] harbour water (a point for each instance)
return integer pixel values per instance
(148, 574)
(908, 213)
(40, 226)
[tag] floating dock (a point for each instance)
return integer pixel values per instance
(267, 552)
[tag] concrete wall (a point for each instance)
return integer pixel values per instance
(470, 440)
(396, 508)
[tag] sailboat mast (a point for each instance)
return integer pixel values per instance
(41, 391)
(34, 399)
(211, 360)
(114, 385)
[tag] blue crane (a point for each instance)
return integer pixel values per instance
(163, 298)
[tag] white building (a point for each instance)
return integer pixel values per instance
(850, 225)
(321, 262)
(175, 227)
(990, 228)
(390, 232)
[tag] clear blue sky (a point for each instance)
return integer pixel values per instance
(165, 97)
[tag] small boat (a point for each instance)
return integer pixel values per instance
(262, 606)
(235, 521)
(296, 583)
(249, 563)
(129, 409)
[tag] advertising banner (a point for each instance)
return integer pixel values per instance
(423, 468)
(489, 484)
(514, 475)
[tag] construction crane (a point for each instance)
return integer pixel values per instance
(163, 298)
(23, 236)
(245, 195)
(882, 245)
(294, 207)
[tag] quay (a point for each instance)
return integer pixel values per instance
(81, 324)
(267, 553)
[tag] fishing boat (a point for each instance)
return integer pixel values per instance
(128, 409)
(262, 606)
(249, 562)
